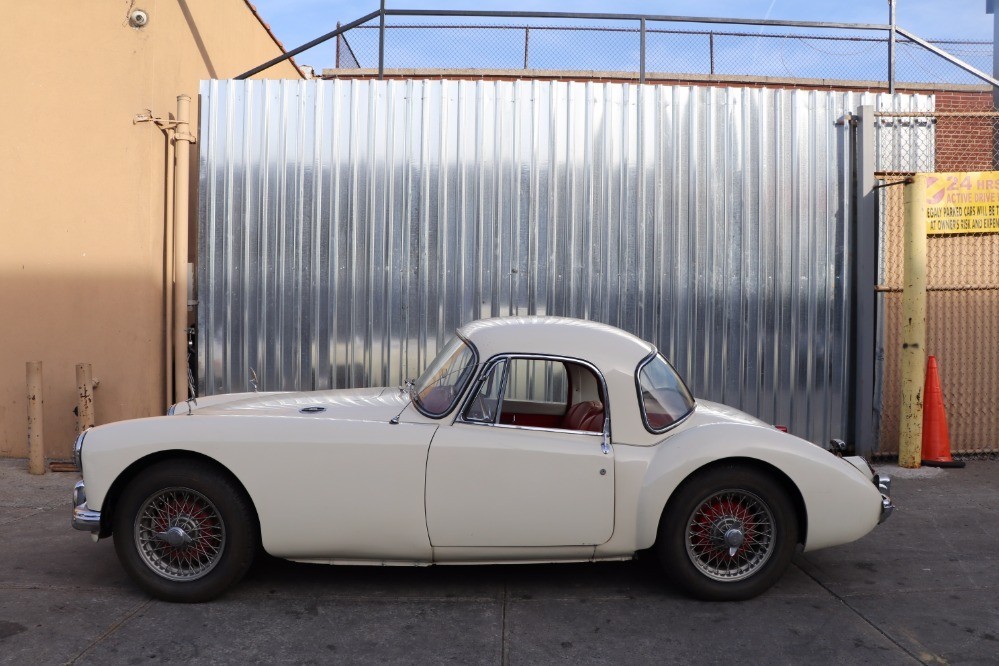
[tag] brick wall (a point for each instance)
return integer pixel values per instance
(965, 143)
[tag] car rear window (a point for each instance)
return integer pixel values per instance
(663, 396)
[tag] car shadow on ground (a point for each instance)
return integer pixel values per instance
(638, 578)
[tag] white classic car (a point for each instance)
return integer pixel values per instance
(528, 439)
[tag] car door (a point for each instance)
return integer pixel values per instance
(511, 471)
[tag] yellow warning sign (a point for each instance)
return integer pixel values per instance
(962, 203)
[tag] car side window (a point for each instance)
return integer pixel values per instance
(536, 380)
(551, 394)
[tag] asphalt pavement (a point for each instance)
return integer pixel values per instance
(921, 588)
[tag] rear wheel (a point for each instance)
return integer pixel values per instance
(728, 534)
(185, 531)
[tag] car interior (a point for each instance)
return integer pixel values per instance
(540, 393)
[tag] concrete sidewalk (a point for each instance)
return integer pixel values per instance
(923, 587)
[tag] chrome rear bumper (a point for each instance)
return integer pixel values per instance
(85, 519)
(883, 482)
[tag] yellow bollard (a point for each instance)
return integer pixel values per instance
(913, 324)
(36, 442)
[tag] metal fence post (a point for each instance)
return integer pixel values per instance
(711, 50)
(381, 41)
(338, 37)
(891, 47)
(990, 8)
(864, 252)
(527, 38)
(641, 70)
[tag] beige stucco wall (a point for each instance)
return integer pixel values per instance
(82, 193)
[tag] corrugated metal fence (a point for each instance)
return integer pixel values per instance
(348, 227)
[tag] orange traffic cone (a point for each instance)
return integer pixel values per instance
(936, 440)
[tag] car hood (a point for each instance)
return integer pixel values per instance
(368, 404)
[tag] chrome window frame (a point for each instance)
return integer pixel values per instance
(458, 395)
(509, 356)
(487, 368)
(641, 401)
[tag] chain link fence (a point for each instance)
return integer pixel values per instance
(669, 51)
(960, 135)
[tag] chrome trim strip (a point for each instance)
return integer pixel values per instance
(514, 426)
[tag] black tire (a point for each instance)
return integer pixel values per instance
(184, 531)
(725, 510)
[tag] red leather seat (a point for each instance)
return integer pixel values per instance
(587, 415)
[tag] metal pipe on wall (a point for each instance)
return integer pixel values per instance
(182, 140)
(168, 272)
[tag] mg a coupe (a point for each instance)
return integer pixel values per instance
(525, 440)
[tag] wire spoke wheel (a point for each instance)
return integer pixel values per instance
(179, 534)
(730, 535)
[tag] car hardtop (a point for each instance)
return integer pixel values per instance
(608, 348)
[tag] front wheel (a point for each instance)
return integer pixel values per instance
(185, 531)
(728, 534)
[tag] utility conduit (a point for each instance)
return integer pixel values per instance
(182, 152)
(179, 140)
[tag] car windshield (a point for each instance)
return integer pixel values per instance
(440, 385)
(665, 399)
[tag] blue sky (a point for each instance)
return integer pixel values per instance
(298, 21)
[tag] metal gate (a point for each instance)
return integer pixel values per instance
(348, 227)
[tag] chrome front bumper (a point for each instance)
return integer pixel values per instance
(883, 482)
(85, 519)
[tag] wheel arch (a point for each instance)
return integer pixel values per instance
(793, 493)
(138, 466)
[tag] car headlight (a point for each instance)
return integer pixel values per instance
(78, 450)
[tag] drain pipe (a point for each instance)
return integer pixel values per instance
(182, 150)
(168, 276)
